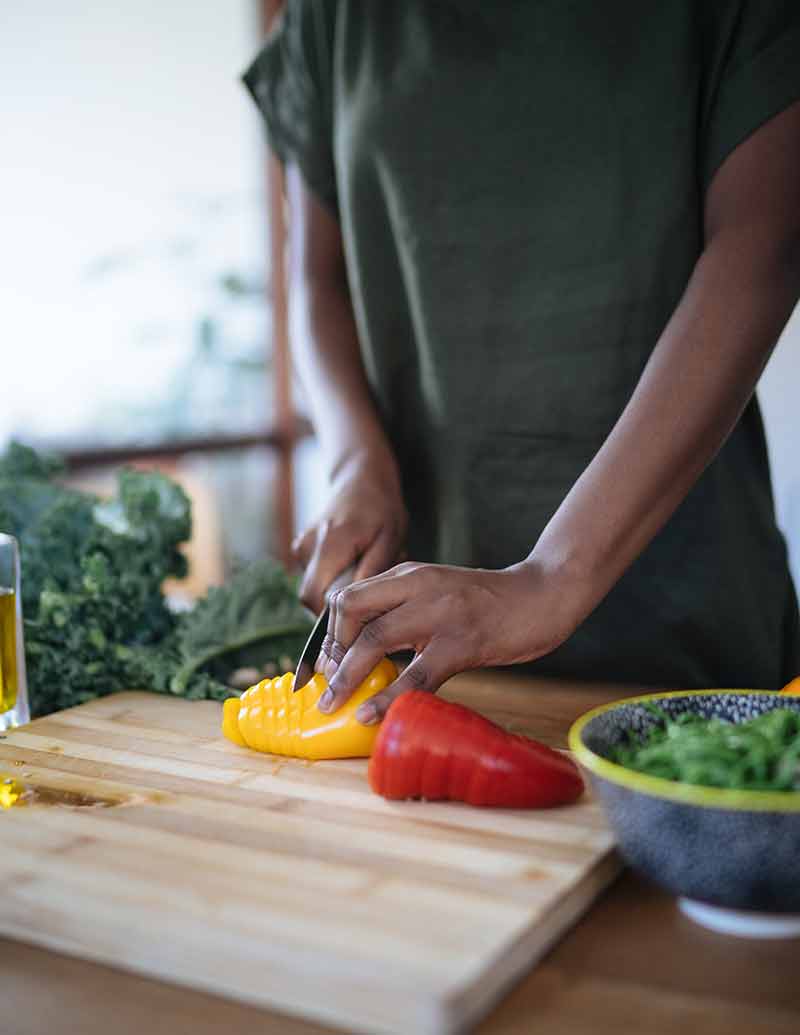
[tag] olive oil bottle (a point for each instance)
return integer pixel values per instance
(8, 649)
(13, 687)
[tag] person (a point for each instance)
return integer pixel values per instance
(540, 254)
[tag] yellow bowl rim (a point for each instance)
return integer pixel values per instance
(657, 786)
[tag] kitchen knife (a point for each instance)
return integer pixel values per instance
(304, 669)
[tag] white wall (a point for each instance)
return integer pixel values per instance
(779, 392)
(130, 177)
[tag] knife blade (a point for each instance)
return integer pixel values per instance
(304, 669)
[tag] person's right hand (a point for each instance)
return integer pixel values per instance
(363, 525)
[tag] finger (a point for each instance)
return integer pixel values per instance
(330, 654)
(362, 602)
(378, 557)
(407, 626)
(303, 546)
(429, 669)
(332, 555)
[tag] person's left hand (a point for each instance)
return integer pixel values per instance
(452, 618)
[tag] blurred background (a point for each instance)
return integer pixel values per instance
(143, 302)
(137, 268)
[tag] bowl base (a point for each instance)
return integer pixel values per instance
(741, 922)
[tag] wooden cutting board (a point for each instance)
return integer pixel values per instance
(280, 882)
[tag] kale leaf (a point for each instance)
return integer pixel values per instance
(230, 627)
(96, 619)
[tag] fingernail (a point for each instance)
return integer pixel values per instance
(367, 714)
(326, 700)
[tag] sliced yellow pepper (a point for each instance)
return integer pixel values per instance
(269, 717)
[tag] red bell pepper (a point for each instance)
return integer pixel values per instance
(433, 749)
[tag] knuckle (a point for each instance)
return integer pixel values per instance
(374, 633)
(426, 576)
(336, 652)
(341, 601)
(405, 568)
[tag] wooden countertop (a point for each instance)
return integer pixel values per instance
(633, 963)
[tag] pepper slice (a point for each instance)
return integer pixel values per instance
(269, 717)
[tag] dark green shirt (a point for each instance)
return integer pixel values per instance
(520, 191)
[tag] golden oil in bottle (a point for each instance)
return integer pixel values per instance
(8, 649)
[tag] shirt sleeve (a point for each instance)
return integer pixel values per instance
(290, 82)
(757, 75)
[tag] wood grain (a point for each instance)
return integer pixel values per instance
(632, 964)
(286, 883)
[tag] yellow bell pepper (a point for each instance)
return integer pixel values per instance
(269, 717)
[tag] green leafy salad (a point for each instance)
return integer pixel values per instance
(762, 754)
(96, 619)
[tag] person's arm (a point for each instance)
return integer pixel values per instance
(704, 369)
(364, 521)
(693, 390)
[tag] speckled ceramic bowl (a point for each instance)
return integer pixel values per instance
(733, 857)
